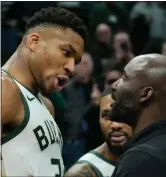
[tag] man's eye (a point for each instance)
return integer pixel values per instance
(66, 53)
(105, 115)
(123, 77)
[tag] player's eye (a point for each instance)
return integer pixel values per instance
(66, 53)
(105, 114)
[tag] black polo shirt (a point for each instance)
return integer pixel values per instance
(145, 155)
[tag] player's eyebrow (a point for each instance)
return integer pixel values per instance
(71, 47)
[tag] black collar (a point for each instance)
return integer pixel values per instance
(147, 133)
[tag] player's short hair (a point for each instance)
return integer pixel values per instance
(58, 17)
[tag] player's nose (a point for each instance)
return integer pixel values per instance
(116, 126)
(114, 88)
(70, 67)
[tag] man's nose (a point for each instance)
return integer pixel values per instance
(113, 88)
(70, 66)
(116, 126)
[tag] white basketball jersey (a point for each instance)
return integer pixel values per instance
(102, 166)
(34, 148)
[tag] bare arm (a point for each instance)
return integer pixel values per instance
(10, 96)
(81, 170)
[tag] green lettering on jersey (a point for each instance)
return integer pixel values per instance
(52, 136)
(42, 139)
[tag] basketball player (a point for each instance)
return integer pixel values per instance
(101, 161)
(44, 61)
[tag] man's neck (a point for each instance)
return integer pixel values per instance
(18, 68)
(147, 118)
(104, 150)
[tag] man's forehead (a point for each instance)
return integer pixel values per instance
(137, 64)
(65, 35)
(143, 62)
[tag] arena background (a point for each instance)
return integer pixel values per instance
(117, 32)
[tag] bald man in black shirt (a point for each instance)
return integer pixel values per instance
(141, 103)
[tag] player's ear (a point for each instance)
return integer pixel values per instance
(146, 93)
(33, 41)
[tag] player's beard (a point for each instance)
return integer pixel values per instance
(125, 109)
(116, 150)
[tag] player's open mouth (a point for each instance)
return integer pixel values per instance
(60, 81)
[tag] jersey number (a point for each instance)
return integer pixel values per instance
(56, 162)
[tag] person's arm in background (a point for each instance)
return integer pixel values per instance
(81, 170)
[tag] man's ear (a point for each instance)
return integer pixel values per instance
(146, 93)
(33, 41)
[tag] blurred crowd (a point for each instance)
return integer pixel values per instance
(118, 31)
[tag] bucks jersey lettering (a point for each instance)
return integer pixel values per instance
(43, 139)
(35, 147)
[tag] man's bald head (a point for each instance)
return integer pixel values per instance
(141, 92)
(150, 69)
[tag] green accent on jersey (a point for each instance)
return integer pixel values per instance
(102, 157)
(99, 174)
(20, 128)
(30, 99)
(31, 91)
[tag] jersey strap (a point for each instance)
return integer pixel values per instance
(20, 128)
(98, 162)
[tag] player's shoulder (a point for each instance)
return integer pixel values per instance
(10, 96)
(48, 104)
(8, 84)
(82, 170)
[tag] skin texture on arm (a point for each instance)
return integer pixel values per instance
(81, 170)
(10, 110)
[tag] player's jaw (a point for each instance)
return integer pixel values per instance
(119, 134)
(117, 138)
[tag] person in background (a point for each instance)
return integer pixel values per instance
(121, 37)
(139, 20)
(164, 48)
(153, 46)
(122, 49)
(148, 19)
(111, 77)
(102, 160)
(101, 48)
(78, 99)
